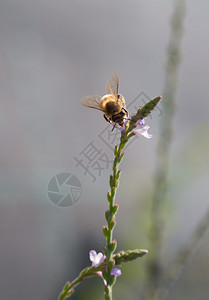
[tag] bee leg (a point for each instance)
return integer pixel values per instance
(108, 120)
(113, 127)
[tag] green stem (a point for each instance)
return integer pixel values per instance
(88, 272)
(110, 217)
(114, 182)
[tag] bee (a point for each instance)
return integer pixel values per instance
(112, 104)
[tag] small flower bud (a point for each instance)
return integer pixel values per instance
(116, 272)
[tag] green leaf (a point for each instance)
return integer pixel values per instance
(67, 286)
(125, 256)
(113, 190)
(115, 163)
(109, 196)
(113, 246)
(111, 181)
(115, 208)
(105, 230)
(118, 174)
(121, 156)
(113, 280)
(108, 216)
(116, 150)
(112, 224)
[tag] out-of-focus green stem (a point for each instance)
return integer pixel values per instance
(163, 149)
(184, 255)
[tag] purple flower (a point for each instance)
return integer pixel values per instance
(95, 258)
(140, 122)
(121, 128)
(116, 272)
(143, 131)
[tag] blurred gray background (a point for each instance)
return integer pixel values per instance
(52, 54)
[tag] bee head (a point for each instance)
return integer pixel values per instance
(121, 98)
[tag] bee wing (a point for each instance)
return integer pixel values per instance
(112, 85)
(92, 102)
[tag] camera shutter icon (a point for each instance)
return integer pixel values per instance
(64, 189)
